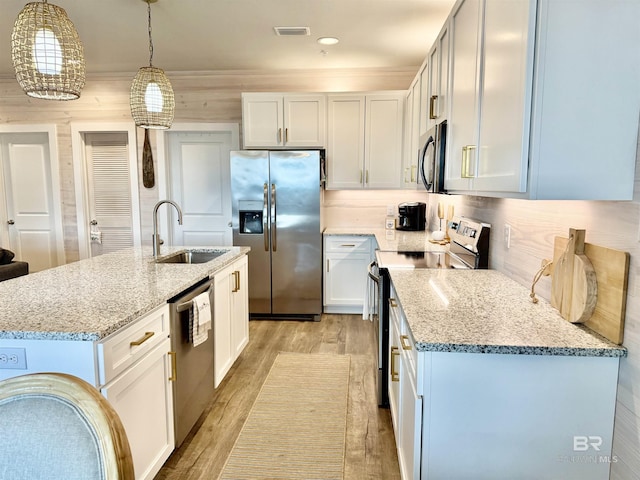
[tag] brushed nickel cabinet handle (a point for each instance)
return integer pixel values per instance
(286, 135)
(404, 341)
(361, 175)
(280, 135)
(327, 265)
(366, 178)
(141, 340)
(395, 352)
(174, 371)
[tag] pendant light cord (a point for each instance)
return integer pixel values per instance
(150, 39)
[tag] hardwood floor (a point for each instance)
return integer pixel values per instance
(370, 444)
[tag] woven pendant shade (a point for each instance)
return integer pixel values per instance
(152, 101)
(47, 54)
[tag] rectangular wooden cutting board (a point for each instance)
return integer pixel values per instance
(612, 272)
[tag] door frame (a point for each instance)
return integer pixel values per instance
(56, 193)
(78, 129)
(164, 170)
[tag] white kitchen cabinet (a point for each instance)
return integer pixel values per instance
(135, 366)
(425, 73)
(405, 402)
(280, 120)
(365, 140)
(516, 412)
(346, 260)
(437, 92)
(230, 317)
(240, 307)
(411, 133)
(528, 104)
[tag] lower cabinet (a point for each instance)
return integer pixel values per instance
(495, 416)
(230, 317)
(346, 259)
(404, 401)
(143, 399)
(136, 370)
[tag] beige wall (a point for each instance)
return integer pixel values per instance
(215, 97)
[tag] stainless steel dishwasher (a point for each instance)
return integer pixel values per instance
(192, 365)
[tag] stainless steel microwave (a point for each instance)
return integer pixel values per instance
(431, 158)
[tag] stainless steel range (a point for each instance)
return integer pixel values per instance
(468, 249)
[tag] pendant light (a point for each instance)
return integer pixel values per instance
(152, 101)
(47, 53)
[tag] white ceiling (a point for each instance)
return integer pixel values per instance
(207, 35)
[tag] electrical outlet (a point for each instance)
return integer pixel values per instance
(507, 235)
(14, 358)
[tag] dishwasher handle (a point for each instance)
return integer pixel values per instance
(184, 302)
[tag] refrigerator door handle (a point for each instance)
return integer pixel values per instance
(274, 238)
(265, 226)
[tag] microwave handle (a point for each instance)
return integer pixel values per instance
(421, 164)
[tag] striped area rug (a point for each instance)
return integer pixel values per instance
(296, 428)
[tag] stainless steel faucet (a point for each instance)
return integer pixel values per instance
(156, 237)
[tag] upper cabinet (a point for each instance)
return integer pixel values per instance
(365, 136)
(543, 95)
(277, 120)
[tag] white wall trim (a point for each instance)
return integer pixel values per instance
(162, 164)
(82, 202)
(52, 134)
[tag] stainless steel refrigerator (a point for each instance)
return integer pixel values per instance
(276, 212)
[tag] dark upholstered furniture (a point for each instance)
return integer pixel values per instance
(9, 268)
(13, 269)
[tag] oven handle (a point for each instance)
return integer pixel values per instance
(372, 275)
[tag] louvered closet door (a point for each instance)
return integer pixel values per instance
(109, 191)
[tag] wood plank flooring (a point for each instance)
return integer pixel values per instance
(370, 446)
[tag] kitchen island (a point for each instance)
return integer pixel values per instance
(485, 384)
(107, 321)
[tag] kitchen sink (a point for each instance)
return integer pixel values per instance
(192, 256)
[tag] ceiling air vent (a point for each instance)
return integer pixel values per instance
(292, 31)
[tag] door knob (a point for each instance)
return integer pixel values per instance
(93, 222)
(11, 222)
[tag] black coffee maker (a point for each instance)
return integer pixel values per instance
(412, 216)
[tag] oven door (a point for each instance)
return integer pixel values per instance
(431, 159)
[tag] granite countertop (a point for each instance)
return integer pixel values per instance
(392, 240)
(92, 298)
(484, 311)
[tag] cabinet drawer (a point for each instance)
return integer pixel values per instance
(347, 244)
(127, 346)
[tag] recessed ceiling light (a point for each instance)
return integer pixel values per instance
(328, 40)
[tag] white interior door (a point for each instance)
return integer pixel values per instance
(106, 186)
(110, 202)
(31, 220)
(199, 181)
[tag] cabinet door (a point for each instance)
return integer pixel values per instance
(345, 281)
(304, 120)
(410, 438)
(433, 88)
(240, 307)
(383, 141)
(411, 127)
(394, 367)
(262, 120)
(463, 121)
(443, 72)
(223, 354)
(143, 398)
(505, 96)
(424, 98)
(345, 145)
